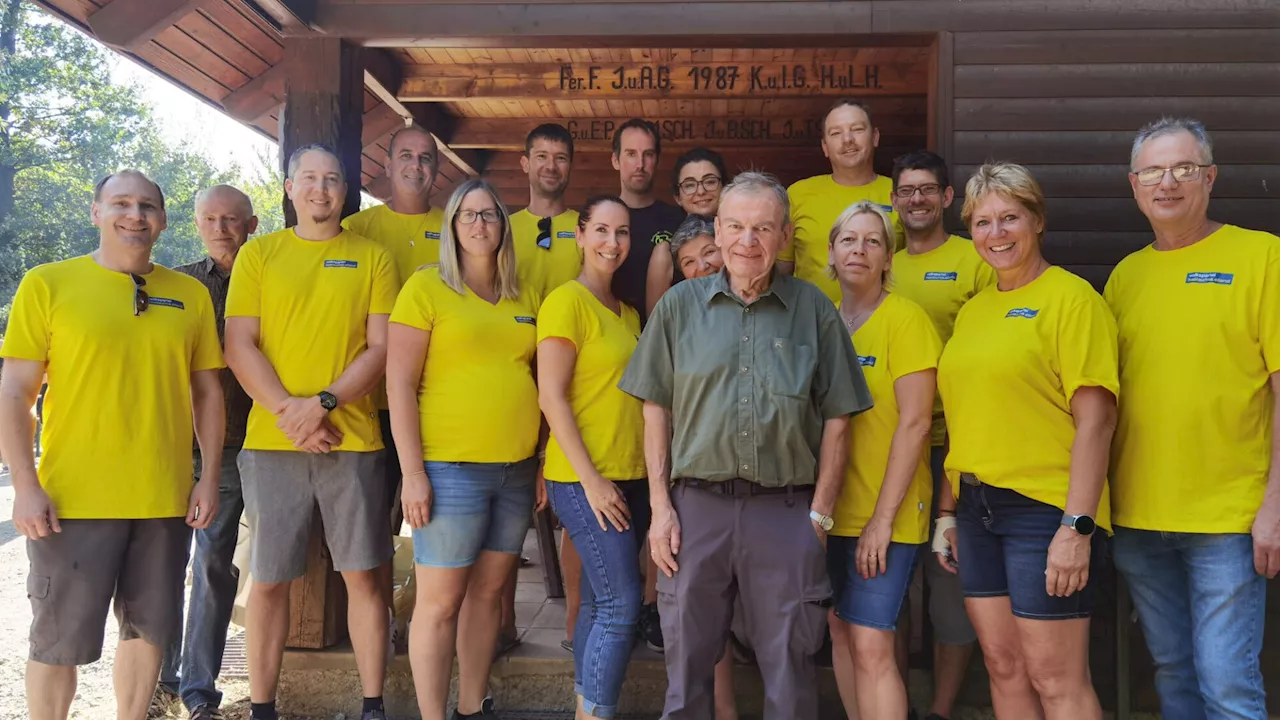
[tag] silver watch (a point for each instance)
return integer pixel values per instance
(826, 522)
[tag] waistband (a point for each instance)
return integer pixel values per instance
(739, 487)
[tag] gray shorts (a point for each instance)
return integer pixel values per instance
(75, 574)
(282, 490)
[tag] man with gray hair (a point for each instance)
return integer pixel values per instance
(224, 221)
(748, 379)
(1195, 476)
(307, 338)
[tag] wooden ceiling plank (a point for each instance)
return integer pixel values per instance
(130, 24)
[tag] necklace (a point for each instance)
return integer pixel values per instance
(860, 317)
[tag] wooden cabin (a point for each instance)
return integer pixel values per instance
(1058, 85)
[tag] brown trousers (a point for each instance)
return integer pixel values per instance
(762, 550)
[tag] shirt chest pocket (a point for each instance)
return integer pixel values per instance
(789, 368)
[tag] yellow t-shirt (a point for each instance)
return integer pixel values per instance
(477, 399)
(1199, 340)
(941, 281)
(897, 340)
(611, 421)
(313, 300)
(1007, 377)
(546, 268)
(117, 414)
(816, 202)
(412, 240)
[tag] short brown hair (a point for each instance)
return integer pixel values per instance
(848, 102)
(97, 188)
(1008, 179)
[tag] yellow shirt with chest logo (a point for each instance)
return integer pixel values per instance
(412, 240)
(477, 400)
(1007, 377)
(897, 340)
(313, 301)
(117, 414)
(611, 422)
(556, 261)
(941, 281)
(1199, 340)
(816, 203)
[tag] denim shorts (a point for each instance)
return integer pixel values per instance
(475, 507)
(875, 602)
(1004, 539)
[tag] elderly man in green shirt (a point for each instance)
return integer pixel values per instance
(748, 380)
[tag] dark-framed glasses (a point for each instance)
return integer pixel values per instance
(906, 191)
(709, 183)
(1184, 172)
(141, 300)
(544, 233)
(469, 217)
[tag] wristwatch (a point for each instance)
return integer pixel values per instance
(826, 522)
(328, 400)
(1082, 524)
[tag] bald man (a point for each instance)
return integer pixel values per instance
(224, 220)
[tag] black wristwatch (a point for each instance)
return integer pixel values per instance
(328, 400)
(1082, 524)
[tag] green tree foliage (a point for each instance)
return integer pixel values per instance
(63, 125)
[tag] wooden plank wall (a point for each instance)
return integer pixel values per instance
(1067, 104)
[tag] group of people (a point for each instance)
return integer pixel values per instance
(755, 415)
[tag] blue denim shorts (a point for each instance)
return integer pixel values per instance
(475, 507)
(1004, 539)
(875, 602)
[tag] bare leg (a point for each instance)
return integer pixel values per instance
(950, 665)
(842, 664)
(137, 668)
(478, 627)
(571, 568)
(382, 576)
(433, 633)
(266, 629)
(507, 626)
(366, 620)
(881, 692)
(1057, 661)
(50, 689)
(650, 577)
(902, 643)
(726, 703)
(1012, 696)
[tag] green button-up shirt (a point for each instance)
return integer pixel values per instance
(749, 386)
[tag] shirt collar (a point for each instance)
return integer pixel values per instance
(782, 287)
(212, 268)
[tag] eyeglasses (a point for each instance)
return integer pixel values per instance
(1186, 172)
(544, 233)
(469, 217)
(141, 300)
(906, 191)
(710, 183)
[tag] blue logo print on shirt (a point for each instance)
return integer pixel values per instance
(431, 235)
(1209, 278)
(527, 320)
(564, 234)
(341, 263)
(942, 276)
(1022, 313)
(166, 302)
(867, 360)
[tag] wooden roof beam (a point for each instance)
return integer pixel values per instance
(130, 24)
(257, 97)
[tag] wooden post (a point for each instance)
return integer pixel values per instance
(324, 94)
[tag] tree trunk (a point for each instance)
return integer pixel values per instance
(8, 46)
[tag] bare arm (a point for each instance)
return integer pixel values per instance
(33, 514)
(658, 279)
(406, 358)
(833, 455)
(1266, 526)
(664, 528)
(363, 374)
(1094, 411)
(251, 367)
(210, 418)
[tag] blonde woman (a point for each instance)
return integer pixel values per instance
(1029, 382)
(464, 411)
(882, 516)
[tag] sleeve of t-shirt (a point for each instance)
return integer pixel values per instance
(562, 316)
(1269, 332)
(207, 354)
(244, 295)
(386, 283)
(915, 345)
(415, 306)
(1088, 352)
(788, 253)
(27, 337)
(838, 383)
(650, 374)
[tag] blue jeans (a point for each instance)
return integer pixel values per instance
(1202, 607)
(475, 507)
(213, 595)
(611, 591)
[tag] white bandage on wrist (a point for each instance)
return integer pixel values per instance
(941, 526)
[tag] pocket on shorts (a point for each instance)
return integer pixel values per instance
(44, 621)
(37, 586)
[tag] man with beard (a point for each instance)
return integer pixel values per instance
(940, 272)
(636, 149)
(547, 254)
(307, 336)
(849, 141)
(131, 352)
